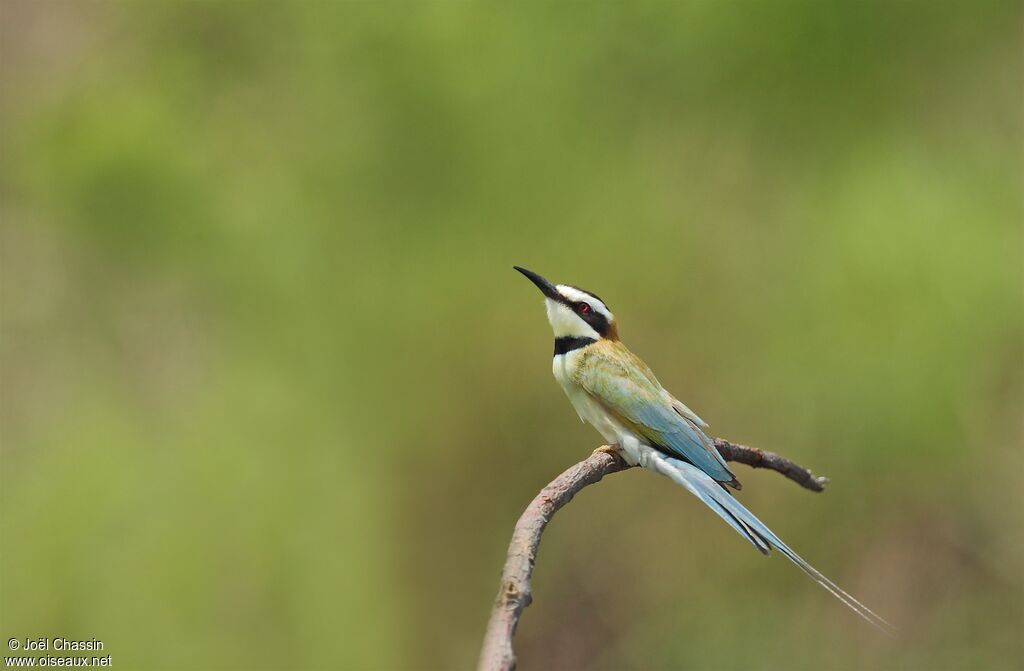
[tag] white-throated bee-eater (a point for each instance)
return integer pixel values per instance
(616, 393)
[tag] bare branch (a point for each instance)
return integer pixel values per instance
(757, 458)
(514, 594)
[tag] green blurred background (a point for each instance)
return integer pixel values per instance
(273, 397)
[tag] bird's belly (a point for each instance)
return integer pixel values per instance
(593, 413)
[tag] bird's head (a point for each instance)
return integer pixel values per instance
(573, 312)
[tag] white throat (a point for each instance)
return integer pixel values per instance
(564, 322)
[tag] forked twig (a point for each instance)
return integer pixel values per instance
(514, 594)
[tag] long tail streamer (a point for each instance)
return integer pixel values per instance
(701, 485)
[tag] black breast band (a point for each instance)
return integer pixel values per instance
(569, 343)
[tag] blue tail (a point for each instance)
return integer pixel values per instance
(701, 485)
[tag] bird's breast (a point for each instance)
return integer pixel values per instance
(559, 368)
(564, 367)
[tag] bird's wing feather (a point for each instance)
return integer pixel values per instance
(622, 383)
(681, 408)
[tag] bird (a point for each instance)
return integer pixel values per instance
(614, 391)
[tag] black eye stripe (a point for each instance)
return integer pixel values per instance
(593, 317)
(596, 320)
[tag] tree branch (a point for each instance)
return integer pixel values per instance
(758, 458)
(514, 594)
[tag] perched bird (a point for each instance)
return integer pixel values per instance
(616, 393)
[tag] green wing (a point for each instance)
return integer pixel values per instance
(626, 387)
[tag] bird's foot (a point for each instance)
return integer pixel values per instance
(613, 450)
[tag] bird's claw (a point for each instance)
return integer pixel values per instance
(612, 450)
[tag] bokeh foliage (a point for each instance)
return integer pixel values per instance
(272, 396)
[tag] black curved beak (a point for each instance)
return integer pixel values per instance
(546, 288)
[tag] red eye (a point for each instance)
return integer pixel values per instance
(584, 308)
